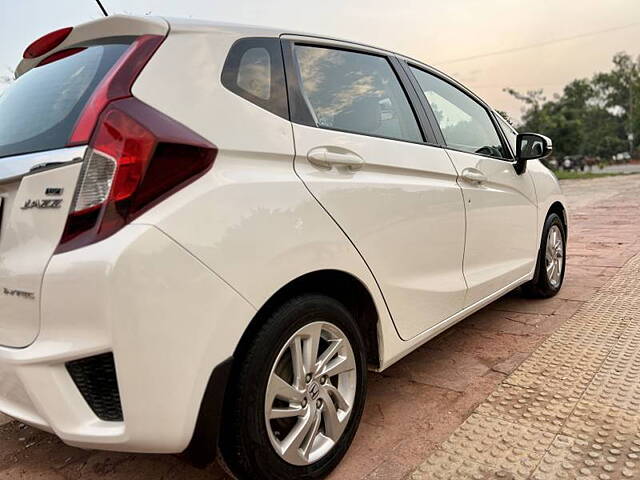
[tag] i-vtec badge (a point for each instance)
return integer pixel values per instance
(19, 293)
(54, 191)
(42, 204)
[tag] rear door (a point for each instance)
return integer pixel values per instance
(501, 205)
(38, 174)
(364, 154)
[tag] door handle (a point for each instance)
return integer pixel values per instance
(326, 158)
(473, 175)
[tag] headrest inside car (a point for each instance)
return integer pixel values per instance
(364, 115)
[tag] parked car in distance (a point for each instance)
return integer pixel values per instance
(210, 233)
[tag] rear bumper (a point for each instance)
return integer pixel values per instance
(167, 319)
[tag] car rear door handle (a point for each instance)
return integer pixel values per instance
(326, 158)
(473, 175)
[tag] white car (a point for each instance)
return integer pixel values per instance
(211, 232)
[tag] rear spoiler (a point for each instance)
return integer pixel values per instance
(112, 26)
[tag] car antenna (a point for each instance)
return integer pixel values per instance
(102, 9)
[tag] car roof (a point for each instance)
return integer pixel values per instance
(255, 30)
(153, 23)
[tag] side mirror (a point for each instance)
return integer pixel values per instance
(531, 146)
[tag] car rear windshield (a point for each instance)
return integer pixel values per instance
(40, 109)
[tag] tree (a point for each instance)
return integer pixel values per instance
(590, 117)
(620, 91)
(506, 117)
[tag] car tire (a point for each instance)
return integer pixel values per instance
(254, 447)
(551, 262)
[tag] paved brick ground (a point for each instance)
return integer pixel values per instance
(414, 408)
(570, 410)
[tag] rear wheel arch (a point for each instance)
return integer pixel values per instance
(337, 284)
(255, 443)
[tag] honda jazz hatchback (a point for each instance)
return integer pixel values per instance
(210, 233)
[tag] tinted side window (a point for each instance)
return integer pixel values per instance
(254, 70)
(465, 124)
(355, 92)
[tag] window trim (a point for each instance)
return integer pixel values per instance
(408, 64)
(433, 122)
(496, 114)
(300, 111)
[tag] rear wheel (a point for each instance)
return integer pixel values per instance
(299, 393)
(551, 262)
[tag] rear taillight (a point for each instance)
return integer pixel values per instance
(116, 84)
(137, 156)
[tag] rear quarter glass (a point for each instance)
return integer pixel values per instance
(39, 110)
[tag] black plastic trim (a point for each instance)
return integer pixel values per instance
(505, 143)
(299, 111)
(2, 202)
(431, 118)
(504, 135)
(501, 159)
(414, 100)
(96, 379)
(202, 449)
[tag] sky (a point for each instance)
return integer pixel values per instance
(482, 43)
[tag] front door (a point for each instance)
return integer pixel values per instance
(501, 206)
(365, 159)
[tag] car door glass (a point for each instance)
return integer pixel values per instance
(465, 124)
(355, 92)
(509, 132)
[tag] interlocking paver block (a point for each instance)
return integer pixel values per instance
(622, 284)
(601, 424)
(610, 307)
(569, 382)
(631, 268)
(443, 465)
(554, 354)
(627, 348)
(570, 458)
(618, 388)
(499, 444)
(581, 388)
(604, 314)
(540, 409)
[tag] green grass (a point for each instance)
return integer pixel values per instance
(572, 175)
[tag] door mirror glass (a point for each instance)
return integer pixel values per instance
(531, 146)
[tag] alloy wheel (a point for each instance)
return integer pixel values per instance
(554, 256)
(310, 393)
